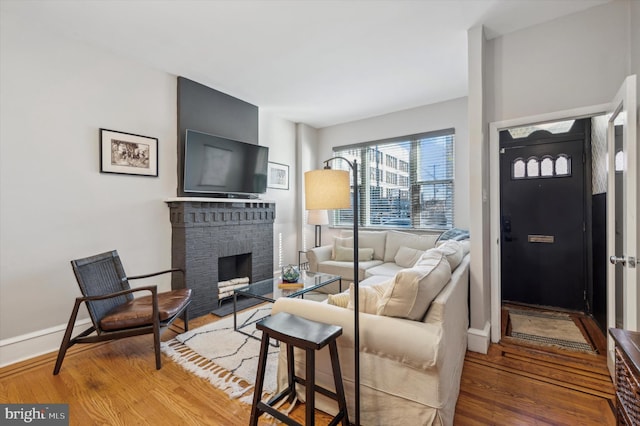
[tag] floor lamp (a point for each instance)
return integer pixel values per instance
(329, 189)
(318, 218)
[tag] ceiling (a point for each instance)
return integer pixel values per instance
(314, 62)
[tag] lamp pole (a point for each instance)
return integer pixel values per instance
(356, 298)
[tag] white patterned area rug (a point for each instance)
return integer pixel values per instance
(226, 358)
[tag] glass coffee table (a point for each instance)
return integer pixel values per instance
(268, 290)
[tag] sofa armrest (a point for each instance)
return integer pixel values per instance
(411, 342)
(317, 255)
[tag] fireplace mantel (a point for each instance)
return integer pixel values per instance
(217, 200)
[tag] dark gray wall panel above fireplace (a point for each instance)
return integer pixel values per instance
(207, 110)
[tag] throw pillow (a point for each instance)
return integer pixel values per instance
(453, 251)
(412, 290)
(397, 239)
(369, 297)
(345, 254)
(454, 234)
(340, 242)
(340, 299)
(374, 239)
(407, 257)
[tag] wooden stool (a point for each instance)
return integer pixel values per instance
(310, 336)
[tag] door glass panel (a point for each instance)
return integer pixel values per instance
(562, 165)
(619, 230)
(546, 167)
(619, 161)
(532, 168)
(518, 169)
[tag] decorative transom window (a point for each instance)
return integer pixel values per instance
(545, 167)
(554, 128)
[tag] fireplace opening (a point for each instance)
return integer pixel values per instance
(233, 272)
(231, 267)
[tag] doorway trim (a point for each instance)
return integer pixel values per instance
(494, 189)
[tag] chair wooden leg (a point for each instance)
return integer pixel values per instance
(337, 378)
(61, 353)
(185, 318)
(310, 387)
(67, 338)
(156, 344)
(291, 373)
(257, 388)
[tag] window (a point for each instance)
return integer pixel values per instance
(402, 182)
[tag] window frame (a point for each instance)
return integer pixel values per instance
(441, 214)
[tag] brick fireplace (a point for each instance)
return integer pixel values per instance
(211, 236)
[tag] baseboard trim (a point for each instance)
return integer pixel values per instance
(479, 340)
(30, 345)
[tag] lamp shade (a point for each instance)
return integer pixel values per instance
(318, 217)
(327, 189)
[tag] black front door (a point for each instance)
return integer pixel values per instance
(542, 195)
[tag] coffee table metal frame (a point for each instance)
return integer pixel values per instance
(268, 291)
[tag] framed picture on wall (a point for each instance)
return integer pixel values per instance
(278, 176)
(128, 154)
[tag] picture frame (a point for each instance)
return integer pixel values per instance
(128, 153)
(277, 176)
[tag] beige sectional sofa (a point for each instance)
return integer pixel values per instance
(380, 253)
(413, 339)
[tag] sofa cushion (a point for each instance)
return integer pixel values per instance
(407, 257)
(369, 296)
(345, 269)
(466, 247)
(452, 250)
(397, 239)
(340, 242)
(345, 254)
(374, 239)
(375, 279)
(413, 290)
(387, 269)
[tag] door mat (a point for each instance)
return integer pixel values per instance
(547, 328)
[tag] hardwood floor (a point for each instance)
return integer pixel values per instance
(115, 383)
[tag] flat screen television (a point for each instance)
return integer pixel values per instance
(222, 166)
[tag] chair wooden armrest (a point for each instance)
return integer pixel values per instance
(153, 274)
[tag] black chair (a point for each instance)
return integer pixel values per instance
(114, 312)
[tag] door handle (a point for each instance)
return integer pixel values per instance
(615, 260)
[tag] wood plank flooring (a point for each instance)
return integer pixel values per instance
(116, 383)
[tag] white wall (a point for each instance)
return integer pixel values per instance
(427, 118)
(55, 205)
(576, 61)
(307, 157)
(280, 136)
